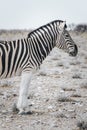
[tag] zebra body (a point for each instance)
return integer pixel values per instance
(22, 57)
(13, 57)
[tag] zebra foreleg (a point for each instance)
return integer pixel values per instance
(24, 85)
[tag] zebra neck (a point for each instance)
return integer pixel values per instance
(39, 50)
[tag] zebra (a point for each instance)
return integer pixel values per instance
(24, 56)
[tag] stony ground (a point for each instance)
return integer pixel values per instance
(57, 94)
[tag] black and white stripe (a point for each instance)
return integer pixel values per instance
(26, 54)
(14, 56)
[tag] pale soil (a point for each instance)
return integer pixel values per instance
(57, 94)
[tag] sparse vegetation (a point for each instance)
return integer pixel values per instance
(76, 76)
(69, 89)
(66, 99)
(81, 28)
(42, 73)
(60, 64)
(14, 31)
(84, 86)
(75, 95)
(13, 34)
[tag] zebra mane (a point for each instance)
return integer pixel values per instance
(55, 21)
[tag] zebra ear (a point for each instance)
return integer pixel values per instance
(65, 26)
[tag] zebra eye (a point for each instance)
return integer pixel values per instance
(66, 35)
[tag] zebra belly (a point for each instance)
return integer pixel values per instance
(7, 73)
(17, 73)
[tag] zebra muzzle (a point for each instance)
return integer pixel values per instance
(74, 53)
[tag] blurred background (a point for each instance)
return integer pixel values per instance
(30, 14)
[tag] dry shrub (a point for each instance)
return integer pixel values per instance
(76, 76)
(81, 28)
(66, 99)
(69, 89)
(75, 95)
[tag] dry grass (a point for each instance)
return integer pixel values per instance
(42, 74)
(75, 95)
(69, 89)
(84, 86)
(66, 99)
(76, 76)
(13, 34)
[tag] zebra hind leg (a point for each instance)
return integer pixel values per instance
(23, 93)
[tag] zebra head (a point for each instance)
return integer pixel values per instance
(64, 40)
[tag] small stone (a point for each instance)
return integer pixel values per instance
(3, 125)
(71, 110)
(61, 91)
(47, 100)
(14, 95)
(50, 107)
(54, 125)
(4, 112)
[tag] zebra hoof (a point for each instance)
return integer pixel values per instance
(25, 113)
(21, 113)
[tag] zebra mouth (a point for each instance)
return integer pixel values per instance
(74, 53)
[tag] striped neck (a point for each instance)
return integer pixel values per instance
(41, 42)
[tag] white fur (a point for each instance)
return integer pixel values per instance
(24, 85)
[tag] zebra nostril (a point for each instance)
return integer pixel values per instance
(72, 54)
